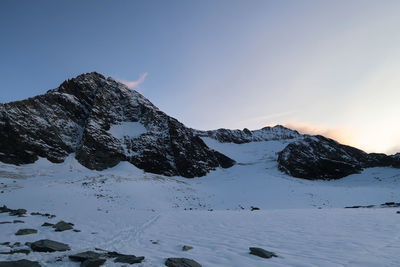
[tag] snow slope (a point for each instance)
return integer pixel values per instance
(129, 129)
(130, 211)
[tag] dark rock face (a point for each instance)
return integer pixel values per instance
(181, 262)
(318, 157)
(20, 263)
(262, 253)
(46, 245)
(103, 122)
(48, 125)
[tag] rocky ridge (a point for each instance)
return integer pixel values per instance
(306, 156)
(318, 157)
(277, 132)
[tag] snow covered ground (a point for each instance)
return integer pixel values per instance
(133, 212)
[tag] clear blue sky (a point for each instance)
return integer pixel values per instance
(328, 67)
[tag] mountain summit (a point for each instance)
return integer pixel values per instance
(103, 122)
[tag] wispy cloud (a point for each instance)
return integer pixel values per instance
(342, 134)
(135, 84)
(262, 119)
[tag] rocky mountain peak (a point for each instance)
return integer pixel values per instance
(103, 122)
(83, 86)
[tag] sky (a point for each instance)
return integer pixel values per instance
(322, 67)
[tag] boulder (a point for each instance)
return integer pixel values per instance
(46, 245)
(16, 251)
(359, 206)
(390, 205)
(262, 253)
(62, 226)
(4, 209)
(16, 244)
(186, 248)
(181, 262)
(130, 259)
(93, 262)
(19, 263)
(26, 231)
(18, 212)
(81, 257)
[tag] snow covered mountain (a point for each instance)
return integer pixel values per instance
(103, 122)
(306, 156)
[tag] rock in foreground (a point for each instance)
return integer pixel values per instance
(262, 253)
(46, 245)
(130, 259)
(26, 232)
(181, 262)
(186, 248)
(81, 257)
(62, 226)
(19, 263)
(93, 262)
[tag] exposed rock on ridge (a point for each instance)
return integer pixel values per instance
(318, 157)
(246, 136)
(103, 122)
